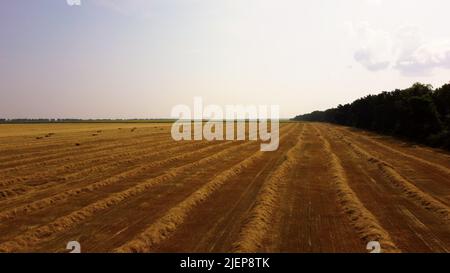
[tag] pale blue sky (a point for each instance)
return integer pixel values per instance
(139, 58)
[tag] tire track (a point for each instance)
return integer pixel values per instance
(61, 158)
(84, 175)
(423, 232)
(63, 174)
(364, 222)
(433, 165)
(63, 196)
(225, 210)
(93, 173)
(168, 224)
(68, 221)
(110, 229)
(424, 177)
(309, 219)
(27, 145)
(259, 220)
(408, 188)
(60, 144)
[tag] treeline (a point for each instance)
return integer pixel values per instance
(38, 120)
(419, 113)
(71, 120)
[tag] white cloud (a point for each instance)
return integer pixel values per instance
(424, 59)
(405, 50)
(373, 47)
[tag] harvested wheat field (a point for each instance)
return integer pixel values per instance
(131, 188)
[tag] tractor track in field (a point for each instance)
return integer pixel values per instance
(326, 189)
(70, 220)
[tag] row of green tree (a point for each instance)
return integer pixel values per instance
(419, 113)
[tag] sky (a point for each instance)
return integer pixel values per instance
(140, 58)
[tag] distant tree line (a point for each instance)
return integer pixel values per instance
(38, 120)
(74, 120)
(419, 113)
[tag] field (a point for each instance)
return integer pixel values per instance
(131, 188)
